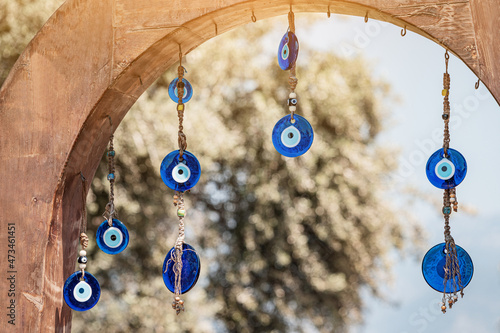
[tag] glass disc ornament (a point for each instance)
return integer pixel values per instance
(172, 91)
(434, 263)
(190, 269)
(446, 172)
(292, 139)
(288, 51)
(180, 176)
(81, 295)
(114, 239)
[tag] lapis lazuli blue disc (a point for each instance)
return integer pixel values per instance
(172, 91)
(190, 269)
(288, 51)
(81, 294)
(446, 172)
(180, 176)
(434, 263)
(292, 139)
(114, 239)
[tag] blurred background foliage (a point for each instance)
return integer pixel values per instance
(287, 245)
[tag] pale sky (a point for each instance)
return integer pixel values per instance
(414, 67)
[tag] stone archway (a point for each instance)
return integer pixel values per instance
(82, 72)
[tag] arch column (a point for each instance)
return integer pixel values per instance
(85, 68)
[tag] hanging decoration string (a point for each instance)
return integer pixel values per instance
(84, 239)
(110, 211)
(452, 268)
(176, 256)
(446, 106)
(182, 140)
(292, 79)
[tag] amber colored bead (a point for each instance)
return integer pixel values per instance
(444, 92)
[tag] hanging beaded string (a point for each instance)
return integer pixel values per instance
(84, 239)
(180, 107)
(176, 256)
(292, 79)
(110, 211)
(452, 268)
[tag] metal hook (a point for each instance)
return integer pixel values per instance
(254, 19)
(328, 13)
(366, 17)
(216, 32)
(82, 177)
(110, 121)
(477, 83)
(446, 57)
(403, 31)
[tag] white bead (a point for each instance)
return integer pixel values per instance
(292, 95)
(83, 253)
(83, 266)
(292, 108)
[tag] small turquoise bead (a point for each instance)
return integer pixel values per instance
(111, 153)
(111, 176)
(446, 210)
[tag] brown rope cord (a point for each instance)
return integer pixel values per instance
(182, 140)
(110, 207)
(84, 239)
(446, 106)
(292, 79)
(176, 256)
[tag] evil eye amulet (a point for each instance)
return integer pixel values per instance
(292, 139)
(180, 175)
(114, 239)
(433, 266)
(446, 172)
(172, 91)
(288, 51)
(81, 294)
(190, 269)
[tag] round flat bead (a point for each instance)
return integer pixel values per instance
(81, 295)
(288, 51)
(114, 239)
(292, 108)
(445, 116)
(292, 95)
(292, 139)
(172, 91)
(454, 169)
(83, 266)
(181, 212)
(177, 175)
(111, 176)
(434, 263)
(190, 269)
(83, 253)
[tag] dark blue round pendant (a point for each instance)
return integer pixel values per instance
(288, 51)
(172, 90)
(190, 269)
(292, 139)
(434, 263)
(81, 294)
(114, 239)
(180, 176)
(446, 172)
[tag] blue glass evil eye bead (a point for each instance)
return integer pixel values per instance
(190, 269)
(434, 263)
(446, 172)
(288, 51)
(180, 176)
(114, 239)
(172, 90)
(292, 139)
(81, 294)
